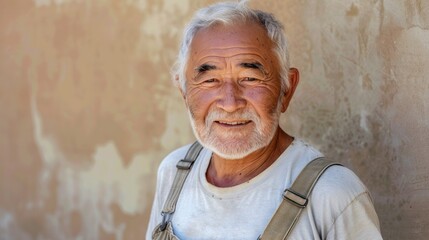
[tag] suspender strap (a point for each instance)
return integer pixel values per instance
(183, 168)
(295, 199)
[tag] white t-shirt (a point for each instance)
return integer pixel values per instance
(340, 206)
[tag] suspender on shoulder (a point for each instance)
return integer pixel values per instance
(295, 199)
(183, 168)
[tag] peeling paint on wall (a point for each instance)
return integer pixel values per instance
(89, 110)
(87, 194)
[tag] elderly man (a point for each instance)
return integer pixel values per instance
(233, 73)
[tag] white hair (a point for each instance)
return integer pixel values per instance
(228, 13)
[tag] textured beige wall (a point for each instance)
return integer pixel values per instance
(88, 110)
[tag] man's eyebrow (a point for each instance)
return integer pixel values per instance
(204, 68)
(253, 65)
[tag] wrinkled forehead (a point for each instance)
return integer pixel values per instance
(242, 37)
(219, 34)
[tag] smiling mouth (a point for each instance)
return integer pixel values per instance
(233, 123)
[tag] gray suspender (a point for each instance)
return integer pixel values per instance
(183, 168)
(295, 198)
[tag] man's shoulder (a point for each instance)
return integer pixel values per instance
(170, 161)
(339, 200)
(342, 177)
(338, 186)
(335, 180)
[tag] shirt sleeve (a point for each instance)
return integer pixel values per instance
(357, 221)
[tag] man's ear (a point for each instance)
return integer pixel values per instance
(179, 86)
(293, 83)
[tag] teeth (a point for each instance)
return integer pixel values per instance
(233, 123)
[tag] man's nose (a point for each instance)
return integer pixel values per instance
(230, 98)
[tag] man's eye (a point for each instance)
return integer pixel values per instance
(211, 80)
(249, 81)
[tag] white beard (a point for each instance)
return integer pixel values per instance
(233, 144)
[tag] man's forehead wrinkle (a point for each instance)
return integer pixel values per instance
(253, 65)
(213, 57)
(223, 47)
(205, 67)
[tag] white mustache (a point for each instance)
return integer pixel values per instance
(216, 115)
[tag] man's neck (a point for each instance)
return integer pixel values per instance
(227, 173)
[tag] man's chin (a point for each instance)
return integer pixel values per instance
(233, 151)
